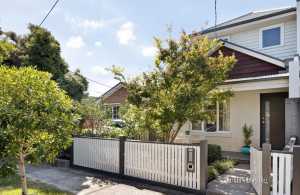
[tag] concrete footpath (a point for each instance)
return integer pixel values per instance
(233, 182)
(85, 183)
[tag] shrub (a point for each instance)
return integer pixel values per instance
(247, 132)
(214, 153)
(223, 165)
(212, 173)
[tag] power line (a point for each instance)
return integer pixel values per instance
(216, 17)
(53, 6)
(97, 82)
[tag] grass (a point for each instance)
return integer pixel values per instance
(11, 186)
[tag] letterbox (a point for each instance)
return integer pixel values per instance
(190, 159)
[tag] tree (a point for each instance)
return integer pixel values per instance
(182, 85)
(36, 117)
(40, 49)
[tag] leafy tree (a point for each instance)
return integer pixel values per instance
(36, 117)
(40, 49)
(182, 85)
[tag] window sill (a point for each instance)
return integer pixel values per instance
(212, 134)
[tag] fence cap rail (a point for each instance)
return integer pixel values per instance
(156, 142)
(96, 137)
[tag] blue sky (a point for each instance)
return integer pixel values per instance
(96, 34)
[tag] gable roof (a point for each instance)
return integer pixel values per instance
(112, 90)
(253, 53)
(249, 17)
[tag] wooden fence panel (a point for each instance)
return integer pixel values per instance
(100, 154)
(162, 163)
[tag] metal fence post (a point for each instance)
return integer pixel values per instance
(122, 155)
(266, 168)
(296, 171)
(203, 165)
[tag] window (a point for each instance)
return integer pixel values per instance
(218, 119)
(115, 112)
(271, 36)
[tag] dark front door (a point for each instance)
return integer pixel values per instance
(272, 114)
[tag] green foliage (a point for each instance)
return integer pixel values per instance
(36, 116)
(219, 167)
(183, 83)
(6, 50)
(212, 173)
(247, 132)
(93, 115)
(40, 49)
(114, 132)
(223, 165)
(214, 153)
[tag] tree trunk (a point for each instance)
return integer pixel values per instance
(22, 174)
(173, 137)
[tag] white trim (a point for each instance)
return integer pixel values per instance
(255, 54)
(258, 78)
(281, 26)
(280, 83)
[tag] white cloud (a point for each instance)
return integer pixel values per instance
(90, 53)
(98, 43)
(90, 24)
(149, 51)
(126, 33)
(75, 42)
(99, 71)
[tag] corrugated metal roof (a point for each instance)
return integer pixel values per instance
(249, 17)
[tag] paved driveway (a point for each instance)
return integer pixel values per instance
(85, 183)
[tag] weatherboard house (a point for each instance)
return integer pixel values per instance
(265, 81)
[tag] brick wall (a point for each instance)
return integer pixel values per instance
(118, 97)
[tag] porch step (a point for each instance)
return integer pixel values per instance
(241, 158)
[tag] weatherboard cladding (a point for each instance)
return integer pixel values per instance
(248, 66)
(117, 97)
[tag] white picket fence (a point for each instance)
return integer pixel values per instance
(157, 162)
(163, 163)
(100, 154)
(282, 169)
(282, 174)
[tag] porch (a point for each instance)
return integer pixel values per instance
(258, 102)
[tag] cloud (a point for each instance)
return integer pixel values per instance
(90, 24)
(90, 53)
(99, 71)
(149, 51)
(125, 33)
(75, 42)
(98, 43)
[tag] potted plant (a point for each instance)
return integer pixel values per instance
(247, 132)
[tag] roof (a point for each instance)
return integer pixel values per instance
(252, 53)
(249, 17)
(111, 90)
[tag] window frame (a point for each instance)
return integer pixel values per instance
(281, 26)
(218, 130)
(112, 111)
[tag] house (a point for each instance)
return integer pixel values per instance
(113, 99)
(265, 81)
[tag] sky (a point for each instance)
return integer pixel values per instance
(96, 34)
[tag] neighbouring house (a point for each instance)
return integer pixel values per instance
(113, 99)
(265, 81)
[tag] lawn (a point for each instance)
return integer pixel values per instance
(11, 186)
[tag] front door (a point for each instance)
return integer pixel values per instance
(272, 123)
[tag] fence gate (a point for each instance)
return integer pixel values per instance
(281, 173)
